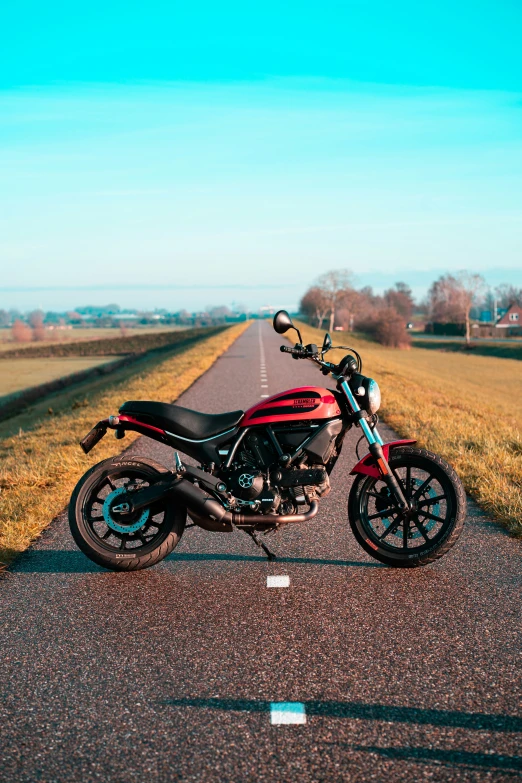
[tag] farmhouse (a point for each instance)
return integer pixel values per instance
(511, 320)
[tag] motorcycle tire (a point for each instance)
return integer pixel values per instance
(123, 542)
(429, 530)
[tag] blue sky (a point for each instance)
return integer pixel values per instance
(175, 156)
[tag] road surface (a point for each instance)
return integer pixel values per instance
(169, 674)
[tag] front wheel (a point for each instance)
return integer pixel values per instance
(119, 541)
(424, 533)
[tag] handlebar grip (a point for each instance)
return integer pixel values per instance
(286, 349)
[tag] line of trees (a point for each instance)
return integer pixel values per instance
(36, 326)
(334, 301)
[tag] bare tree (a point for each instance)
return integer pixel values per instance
(337, 287)
(36, 320)
(400, 298)
(507, 294)
(21, 332)
(314, 304)
(451, 298)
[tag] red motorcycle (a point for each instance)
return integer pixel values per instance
(265, 468)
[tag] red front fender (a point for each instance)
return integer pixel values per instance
(367, 465)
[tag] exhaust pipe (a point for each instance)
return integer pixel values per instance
(204, 508)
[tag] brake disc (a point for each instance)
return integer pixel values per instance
(383, 503)
(428, 493)
(134, 524)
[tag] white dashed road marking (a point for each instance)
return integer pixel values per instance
(278, 581)
(263, 375)
(286, 712)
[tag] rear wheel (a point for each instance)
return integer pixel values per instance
(123, 541)
(423, 534)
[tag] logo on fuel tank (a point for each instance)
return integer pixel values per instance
(304, 402)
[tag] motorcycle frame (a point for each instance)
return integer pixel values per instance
(374, 464)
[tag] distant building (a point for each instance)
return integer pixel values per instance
(512, 318)
(490, 316)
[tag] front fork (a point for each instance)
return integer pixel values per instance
(375, 444)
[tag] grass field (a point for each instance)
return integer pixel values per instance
(464, 407)
(134, 343)
(80, 335)
(39, 467)
(500, 350)
(18, 374)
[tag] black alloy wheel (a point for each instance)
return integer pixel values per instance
(425, 532)
(116, 539)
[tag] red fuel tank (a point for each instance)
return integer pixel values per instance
(307, 402)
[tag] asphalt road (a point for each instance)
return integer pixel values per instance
(168, 674)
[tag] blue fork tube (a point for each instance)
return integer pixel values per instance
(372, 436)
(375, 443)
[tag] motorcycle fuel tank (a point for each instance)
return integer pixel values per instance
(307, 402)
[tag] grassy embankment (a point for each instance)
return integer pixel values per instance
(114, 345)
(31, 373)
(18, 374)
(512, 350)
(464, 407)
(79, 334)
(40, 467)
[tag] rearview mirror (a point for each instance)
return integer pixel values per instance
(327, 343)
(282, 322)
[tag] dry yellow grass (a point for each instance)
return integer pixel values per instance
(39, 468)
(465, 408)
(18, 374)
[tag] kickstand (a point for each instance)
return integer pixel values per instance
(255, 538)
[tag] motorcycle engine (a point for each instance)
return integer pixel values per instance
(256, 479)
(246, 483)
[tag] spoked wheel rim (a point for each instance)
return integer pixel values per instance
(124, 533)
(430, 493)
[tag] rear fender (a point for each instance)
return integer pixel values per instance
(367, 467)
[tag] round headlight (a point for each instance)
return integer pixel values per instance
(374, 396)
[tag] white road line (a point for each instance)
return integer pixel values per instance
(278, 581)
(263, 376)
(286, 712)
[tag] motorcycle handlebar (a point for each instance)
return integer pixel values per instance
(298, 352)
(347, 366)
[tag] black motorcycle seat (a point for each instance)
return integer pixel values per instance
(182, 421)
